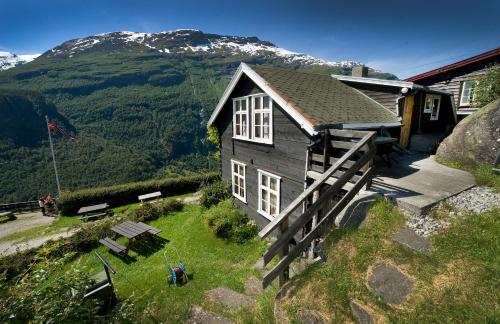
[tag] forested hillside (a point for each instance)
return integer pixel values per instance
(139, 106)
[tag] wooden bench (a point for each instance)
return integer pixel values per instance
(8, 214)
(151, 229)
(149, 196)
(112, 245)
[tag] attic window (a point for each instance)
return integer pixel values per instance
(252, 118)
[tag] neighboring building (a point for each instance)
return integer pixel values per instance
(459, 78)
(268, 119)
(428, 114)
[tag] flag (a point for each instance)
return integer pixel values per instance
(53, 127)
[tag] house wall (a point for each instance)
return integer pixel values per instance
(422, 123)
(286, 157)
(452, 80)
(385, 95)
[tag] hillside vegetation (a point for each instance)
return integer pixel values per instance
(139, 112)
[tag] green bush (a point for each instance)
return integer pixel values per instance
(229, 222)
(215, 193)
(152, 211)
(70, 202)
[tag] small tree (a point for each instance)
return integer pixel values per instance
(488, 86)
(214, 138)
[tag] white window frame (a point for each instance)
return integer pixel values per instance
(277, 192)
(241, 113)
(429, 110)
(241, 177)
(261, 111)
(251, 112)
(471, 89)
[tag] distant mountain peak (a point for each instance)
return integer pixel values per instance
(9, 60)
(184, 41)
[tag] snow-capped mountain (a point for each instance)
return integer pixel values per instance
(9, 60)
(184, 41)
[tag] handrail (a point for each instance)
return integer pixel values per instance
(276, 222)
(320, 228)
(300, 222)
(17, 206)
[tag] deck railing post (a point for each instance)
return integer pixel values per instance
(284, 275)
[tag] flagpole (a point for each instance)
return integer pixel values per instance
(53, 156)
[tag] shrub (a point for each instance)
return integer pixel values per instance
(229, 222)
(215, 193)
(152, 211)
(119, 195)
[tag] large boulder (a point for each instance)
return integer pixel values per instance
(476, 139)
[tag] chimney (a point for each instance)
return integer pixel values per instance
(360, 71)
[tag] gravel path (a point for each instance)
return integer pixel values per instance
(425, 225)
(24, 222)
(477, 199)
(11, 247)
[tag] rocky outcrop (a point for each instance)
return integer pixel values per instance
(476, 139)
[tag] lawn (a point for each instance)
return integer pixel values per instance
(212, 263)
(459, 282)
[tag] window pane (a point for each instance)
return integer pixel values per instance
(265, 119)
(257, 119)
(242, 170)
(265, 104)
(242, 191)
(237, 105)
(273, 204)
(257, 103)
(265, 132)
(235, 168)
(244, 105)
(257, 131)
(264, 181)
(272, 184)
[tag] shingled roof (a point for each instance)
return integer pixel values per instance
(313, 100)
(324, 99)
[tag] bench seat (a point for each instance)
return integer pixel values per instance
(151, 229)
(112, 245)
(88, 217)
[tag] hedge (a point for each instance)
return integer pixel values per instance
(119, 195)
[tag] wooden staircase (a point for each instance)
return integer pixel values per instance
(337, 168)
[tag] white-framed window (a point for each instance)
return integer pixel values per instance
(253, 118)
(238, 173)
(467, 93)
(262, 118)
(432, 105)
(269, 194)
(240, 118)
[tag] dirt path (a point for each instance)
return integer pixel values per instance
(11, 247)
(24, 222)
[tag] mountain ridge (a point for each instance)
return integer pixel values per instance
(9, 60)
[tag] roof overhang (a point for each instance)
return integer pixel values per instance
(370, 125)
(390, 83)
(304, 122)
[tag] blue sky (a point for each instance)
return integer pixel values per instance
(403, 37)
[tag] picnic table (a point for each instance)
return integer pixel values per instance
(93, 212)
(384, 147)
(131, 230)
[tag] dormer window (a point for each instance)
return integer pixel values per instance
(258, 128)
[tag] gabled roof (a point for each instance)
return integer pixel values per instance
(313, 100)
(446, 68)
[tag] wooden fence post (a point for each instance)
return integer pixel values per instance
(284, 275)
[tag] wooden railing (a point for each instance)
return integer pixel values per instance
(19, 206)
(354, 166)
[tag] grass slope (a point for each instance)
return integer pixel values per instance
(212, 263)
(457, 283)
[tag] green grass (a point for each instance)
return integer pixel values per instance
(212, 262)
(483, 174)
(458, 282)
(60, 223)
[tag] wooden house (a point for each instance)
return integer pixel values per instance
(459, 79)
(296, 148)
(428, 114)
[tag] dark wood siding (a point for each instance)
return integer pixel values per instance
(384, 95)
(286, 157)
(452, 80)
